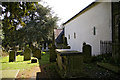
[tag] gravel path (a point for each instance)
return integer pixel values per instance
(8, 73)
(93, 71)
(29, 73)
(38, 73)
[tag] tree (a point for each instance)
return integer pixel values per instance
(37, 22)
(14, 12)
(39, 25)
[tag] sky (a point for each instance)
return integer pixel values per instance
(66, 9)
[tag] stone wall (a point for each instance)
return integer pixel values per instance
(116, 31)
(70, 63)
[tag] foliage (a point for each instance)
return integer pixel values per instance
(37, 23)
(108, 66)
(51, 70)
(40, 26)
(13, 16)
(14, 13)
(102, 58)
(105, 58)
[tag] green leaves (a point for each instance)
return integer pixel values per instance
(40, 26)
(37, 23)
(16, 12)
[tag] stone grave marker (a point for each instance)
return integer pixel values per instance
(27, 54)
(12, 56)
(87, 50)
(37, 53)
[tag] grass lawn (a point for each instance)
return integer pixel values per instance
(44, 59)
(19, 64)
(7, 67)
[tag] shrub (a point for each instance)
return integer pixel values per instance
(102, 58)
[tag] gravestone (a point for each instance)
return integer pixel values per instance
(37, 53)
(12, 56)
(70, 63)
(27, 54)
(87, 50)
(53, 54)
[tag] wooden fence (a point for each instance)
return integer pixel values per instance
(105, 47)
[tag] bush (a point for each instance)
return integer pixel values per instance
(102, 58)
(105, 58)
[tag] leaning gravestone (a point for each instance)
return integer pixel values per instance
(12, 56)
(87, 50)
(27, 54)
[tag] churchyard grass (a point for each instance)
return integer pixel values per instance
(21, 64)
(45, 58)
(18, 64)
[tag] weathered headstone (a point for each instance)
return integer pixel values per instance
(12, 56)
(53, 54)
(27, 54)
(70, 63)
(37, 53)
(87, 50)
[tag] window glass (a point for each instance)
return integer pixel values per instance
(74, 35)
(68, 36)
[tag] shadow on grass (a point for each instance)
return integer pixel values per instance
(12, 62)
(48, 70)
